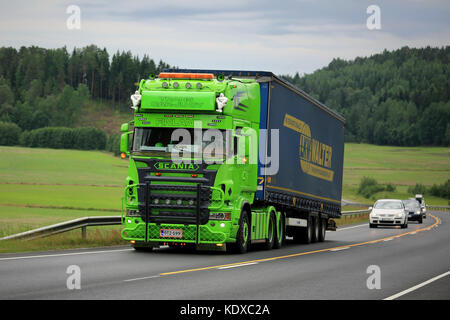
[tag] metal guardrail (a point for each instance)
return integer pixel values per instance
(95, 221)
(67, 226)
(439, 208)
(117, 220)
(354, 213)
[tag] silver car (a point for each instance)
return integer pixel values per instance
(388, 212)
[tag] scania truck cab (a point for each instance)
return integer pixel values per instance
(207, 170)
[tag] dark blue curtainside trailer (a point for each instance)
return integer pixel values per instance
(311, 150)
(301, 155)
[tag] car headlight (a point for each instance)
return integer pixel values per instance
(399, 215)
(418, 212)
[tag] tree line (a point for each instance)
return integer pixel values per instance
(110, 78)
(392, 98)
(47, 88)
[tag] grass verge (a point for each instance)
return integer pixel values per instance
(95, 237)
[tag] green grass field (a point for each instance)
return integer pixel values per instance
(402, 167)
(39, 187)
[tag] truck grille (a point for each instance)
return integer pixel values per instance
(175, 196)
(163, 204)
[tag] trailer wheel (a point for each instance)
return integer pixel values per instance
(304, 235)
(315, 233)
(280, 233)
(322, 229)
(271, 233)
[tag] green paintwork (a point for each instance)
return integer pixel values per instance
(182, 100)
(235, 184)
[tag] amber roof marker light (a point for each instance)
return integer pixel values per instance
(184, 75)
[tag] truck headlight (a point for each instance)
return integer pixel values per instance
(220, 216)
(133, 213)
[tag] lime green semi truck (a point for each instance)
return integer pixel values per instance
(223, 159)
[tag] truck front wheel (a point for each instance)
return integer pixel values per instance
(243, 235)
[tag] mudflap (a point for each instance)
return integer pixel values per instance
(331, 225)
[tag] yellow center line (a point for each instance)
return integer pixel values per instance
(307, 252)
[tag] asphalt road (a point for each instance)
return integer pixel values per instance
(339, 268)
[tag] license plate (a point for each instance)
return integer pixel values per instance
(171, 233)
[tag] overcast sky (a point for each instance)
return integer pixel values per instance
(282, 36)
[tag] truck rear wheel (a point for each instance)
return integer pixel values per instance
(271, 232)
(280, 233)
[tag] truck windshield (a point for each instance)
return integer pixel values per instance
(388, 205)
(167, 140)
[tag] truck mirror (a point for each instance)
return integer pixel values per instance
(124, 145)
(125, 127)
(247, 144)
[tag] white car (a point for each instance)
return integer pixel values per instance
(388, 212)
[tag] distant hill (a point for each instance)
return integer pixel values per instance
(51, 87)
(392, 98)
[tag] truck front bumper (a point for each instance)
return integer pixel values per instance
(214, 232)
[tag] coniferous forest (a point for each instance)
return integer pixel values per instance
(392, 98)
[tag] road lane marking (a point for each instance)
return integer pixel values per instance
(62, 254)
(238, 265)
(142, 278)
(358, 226)
(437, 220)
(339, 249)
(420, 285)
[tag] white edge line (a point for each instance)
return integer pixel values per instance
(395, 296)
(143, 278)
(238, 265)
(358, 226)
(62, 254)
